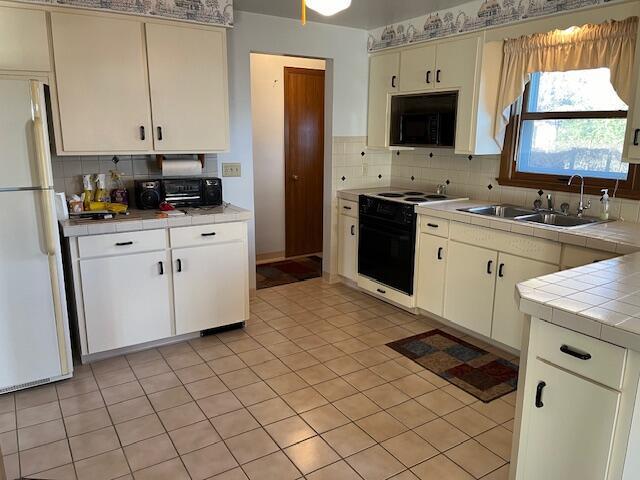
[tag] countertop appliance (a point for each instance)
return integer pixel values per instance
(179, 192)
(413, 197)
(424, 120)
(34, 328)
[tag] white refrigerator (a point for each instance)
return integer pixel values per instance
(34, 328)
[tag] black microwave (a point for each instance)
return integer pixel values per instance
(424, 120)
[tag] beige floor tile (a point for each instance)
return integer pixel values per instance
(44, 458)
(412, 414)
(135, 408)
(440, 467)
(289, 431)
(498, 440)
(9, 442)
(239, 378)
(175, 349)
(194, 437)
(169, 470)
(39, 414)
(214, 352)
(194, 373)
(138, 429)
(339, 470)
(160, 382)
(386, 396)
(234, 423)
(335, 389)
(381, 426)
(343, 365)
(287, 383)
(7, 422)
(325, 418)
(311, 454)
(375, 463)
(40, 434)
(65, 472)
(109, 364)
(300, 360)
(206, 388)
(184, 360)
(251, 445)
(440, 403)
(103, 467)
(87, 422)
(270, 369)
(475, 458)
(181, 416)
(226, 364)
(316, 374)
(172, 397)
(12, 466)
(432, 378)
(7, 403)
(509, 425)
(441, 434)
(410, 448)
(235, 474)
(356, 406)
(371, 357)
(254, 393)
(283, 348)
(460, 394)
(144, 356)
(219, 404)
(257, 357)
(348, 439)
(470, 421)
(122, 393)
(149, 369)
(33, 397)
(406, 475)
(413, 385)
(76, 386)
(499, 411)
(93, 443)
(149, 452)
(500, 474)
(304, 400)
(272, 467)
(326, 353)
(271, 411)
(209, 461)
(115, 377)
(364, 379)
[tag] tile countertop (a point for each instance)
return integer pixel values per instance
(152, 219)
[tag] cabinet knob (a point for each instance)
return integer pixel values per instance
(295, 177)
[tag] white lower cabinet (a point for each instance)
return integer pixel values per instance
(348, 247)
(210, 286)
(126, 300)
(469, 287)
(507, 318)
(432, 267)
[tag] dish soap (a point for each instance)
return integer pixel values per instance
(604, 213)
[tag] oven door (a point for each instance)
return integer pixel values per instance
(386, 253)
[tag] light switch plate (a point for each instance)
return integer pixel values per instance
(231, 170)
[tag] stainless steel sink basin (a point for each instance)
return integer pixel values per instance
(504, 211)
(558, 220)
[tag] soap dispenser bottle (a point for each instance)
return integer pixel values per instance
(604, 213)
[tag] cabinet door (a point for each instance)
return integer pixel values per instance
(507, 318)
(631, 150)
(126, 300)
(101, 75)
(418, 68)
(383, 80)
(188, 78)
(24, 42)
(469, 287)
(431, 273)
(570, 435)
(348, 247)
(210, 285)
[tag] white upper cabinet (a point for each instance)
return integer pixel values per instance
(188, 79)
(418, 68)
(102, 86)
(383, 80)
(24, 42)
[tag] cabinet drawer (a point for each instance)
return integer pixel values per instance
(347, 207)
(434, 225)
(207, 234)
(602, 362)
(121, 243)
(383, 291)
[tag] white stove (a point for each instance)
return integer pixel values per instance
(413, 197)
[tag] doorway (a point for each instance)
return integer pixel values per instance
(288, 115)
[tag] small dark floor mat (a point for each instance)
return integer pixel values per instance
(288, 271)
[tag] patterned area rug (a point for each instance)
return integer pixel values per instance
(482, 374)
(288, 271)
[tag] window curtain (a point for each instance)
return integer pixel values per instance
(611, 44)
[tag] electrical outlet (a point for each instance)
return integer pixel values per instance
(231, 170)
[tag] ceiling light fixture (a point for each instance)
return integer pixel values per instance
(328, 7)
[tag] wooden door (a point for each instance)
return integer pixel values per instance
(126, 300)
(348, 247)
(304, 159)
(469, 287)
(507, 318)
(418, 69)
(431, 273)
(188, 79)
(383, 80)
(103, 90)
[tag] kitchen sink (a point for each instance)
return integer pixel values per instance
(504, 211)
(559, 220)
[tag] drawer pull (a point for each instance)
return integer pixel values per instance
(211, 234)
(580, 355)
(347, 208)
(440, 253)
(501, 270)
(143, 135)
(428, 76)
(539, 390)
(161, 265)
(489, 265)
(635, 136)
(433, 225)
(353, 230)
(179, 262)
(381, 291)
(123, 244)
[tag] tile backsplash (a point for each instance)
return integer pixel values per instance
(356, 166)
(68, 171)
(476, 178)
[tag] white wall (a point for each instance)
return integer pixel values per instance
(347, 78)
(267, 105)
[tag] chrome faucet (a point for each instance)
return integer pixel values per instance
(549, 202)
(581, 206)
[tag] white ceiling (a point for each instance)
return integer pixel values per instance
(366, 14)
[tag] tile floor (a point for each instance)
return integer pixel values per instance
(307, 390)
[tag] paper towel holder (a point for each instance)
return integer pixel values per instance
(161, 158)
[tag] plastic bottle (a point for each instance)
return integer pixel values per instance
(604, 214)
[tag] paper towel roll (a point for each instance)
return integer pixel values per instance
(181, 167)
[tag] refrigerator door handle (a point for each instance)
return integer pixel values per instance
(40, 136)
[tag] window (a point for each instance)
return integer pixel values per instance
(569, 123)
